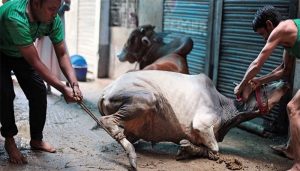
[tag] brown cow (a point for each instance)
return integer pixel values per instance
(147, 48)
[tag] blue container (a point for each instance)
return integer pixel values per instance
(80, 66)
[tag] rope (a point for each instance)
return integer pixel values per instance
(83, 106)
(262, 105)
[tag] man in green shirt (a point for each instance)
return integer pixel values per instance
(269, 24)
(21, 22)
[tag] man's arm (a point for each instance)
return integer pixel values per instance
(282, 71)
(31, 56)
(256, 65)
(64, 62)
(63, 59)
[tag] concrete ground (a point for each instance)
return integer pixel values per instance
(82, 148)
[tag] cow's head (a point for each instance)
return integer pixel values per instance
(137, 44)
(259, 103)
(265, 97)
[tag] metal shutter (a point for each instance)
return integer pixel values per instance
(239, 46)
(190, 18)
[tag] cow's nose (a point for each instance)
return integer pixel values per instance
(121, 55)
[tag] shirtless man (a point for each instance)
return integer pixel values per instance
(269, 24)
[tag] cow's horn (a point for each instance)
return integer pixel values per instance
(142, 30)
(146, 41)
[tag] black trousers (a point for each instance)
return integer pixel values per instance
(34, 89)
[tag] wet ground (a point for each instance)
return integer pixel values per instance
(82, 148)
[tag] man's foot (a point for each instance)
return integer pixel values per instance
(296, 167)
(42, 146)
(15, 156)
(282, 150)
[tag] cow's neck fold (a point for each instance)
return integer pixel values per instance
(235, 112)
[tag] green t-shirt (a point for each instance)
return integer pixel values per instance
(295, 50)
(16, 30)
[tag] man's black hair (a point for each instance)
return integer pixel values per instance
(41, 2)
(268, 12)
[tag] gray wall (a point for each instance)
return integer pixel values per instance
(151, 12)
(119, 35)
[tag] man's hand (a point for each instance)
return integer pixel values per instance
(254, 82)
(77, 93)
(243, 93)
(237, 90)
(72, 95)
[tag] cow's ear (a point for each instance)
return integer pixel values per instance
(145, 40)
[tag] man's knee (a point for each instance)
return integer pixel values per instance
(289, 107)
(293, 109)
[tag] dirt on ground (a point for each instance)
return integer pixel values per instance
(82, 148)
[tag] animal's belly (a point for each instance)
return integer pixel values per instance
(155, 130)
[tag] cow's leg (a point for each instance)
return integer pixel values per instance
(188, 150)
(203, 126)
(112, 124)
(132, 106)
(130, 137)
(202, 135)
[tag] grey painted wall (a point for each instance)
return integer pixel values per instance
(151, 12)
(119, 36)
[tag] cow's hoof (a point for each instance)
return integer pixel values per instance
(185, 143)
(133, 164)
(189, 150)
(184, 151)
(213, 155)
(132, 159)
(130, 152)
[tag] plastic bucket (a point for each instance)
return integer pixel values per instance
(80, 66)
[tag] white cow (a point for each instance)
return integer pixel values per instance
(184, 109)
